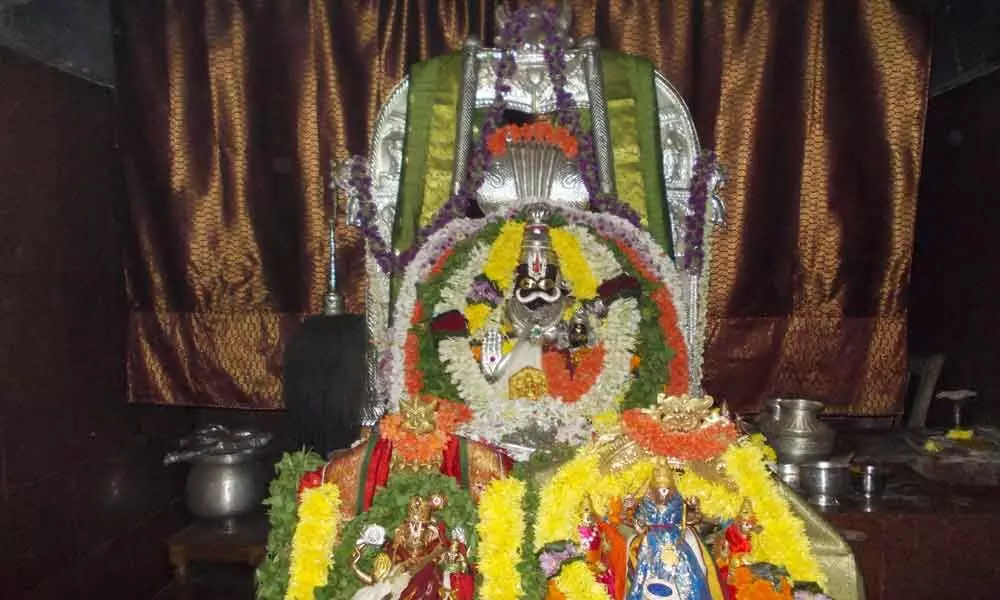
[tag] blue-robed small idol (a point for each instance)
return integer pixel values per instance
(667, 559)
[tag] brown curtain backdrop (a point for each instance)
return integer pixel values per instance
(231, 113)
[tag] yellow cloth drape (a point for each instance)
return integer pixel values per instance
(233, 111)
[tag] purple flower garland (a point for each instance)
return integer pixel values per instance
(694, 223)
(361, 180)
(568, 116)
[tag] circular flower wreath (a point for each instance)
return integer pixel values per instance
(456, 287)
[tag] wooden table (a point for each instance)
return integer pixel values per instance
(209, 542)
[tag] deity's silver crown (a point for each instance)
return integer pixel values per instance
(537, 214)
(536, 245)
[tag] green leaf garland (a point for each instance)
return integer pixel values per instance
(282, 503)
(436, 380)
(389, 510)
(533, 581)
(653, 374)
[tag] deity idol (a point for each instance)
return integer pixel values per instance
(668, 559)
(535, 315)
(734, 546)
(384, 452)
(595, 547)
(407, 567)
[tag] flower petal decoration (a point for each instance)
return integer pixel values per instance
(501, 534)
(315, 533)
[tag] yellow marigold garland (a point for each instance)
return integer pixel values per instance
(577, 582)
(782, 540)
(573, 264)
(312, 543)
(607, 423)
(501, 533)
(561, 498)
(618, 484)
(476, 315)
(758, 440)
(715, 500)
(504, 255)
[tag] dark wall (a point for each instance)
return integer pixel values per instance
(955, 279)
(85, 503)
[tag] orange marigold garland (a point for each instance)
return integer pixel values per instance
(570, 386)
(677, 382)
(541, 131)
(424, 448)
(441, 261)
(700, 444)
(749, 587)
(411, 358)
(678, 367)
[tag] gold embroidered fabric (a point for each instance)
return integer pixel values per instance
(441, 150)
(231, 113)
(344, 470)
(625, 155)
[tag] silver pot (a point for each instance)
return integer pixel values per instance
(824, 482)
(793, 428)
(769, 420)
(226, 486)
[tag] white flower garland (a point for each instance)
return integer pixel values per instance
(603, 263)
(454, 293)
(618, 332)
(499, 422)
(497, 418)
(466, 373)
(618, 335)
(675, 280)
(392, 369)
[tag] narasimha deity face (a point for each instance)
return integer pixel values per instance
(538, 281)
(537, 289)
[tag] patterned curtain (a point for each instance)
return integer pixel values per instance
(231, 113)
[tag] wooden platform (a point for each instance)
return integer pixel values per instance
(245, 543)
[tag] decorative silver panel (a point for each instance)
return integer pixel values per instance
(499, 188)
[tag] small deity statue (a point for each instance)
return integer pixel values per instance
(617, 531)
(667, 559)
(594, 546)
(733, 548)
(407, 568)
(457, 583)
(364, 468)
(628, 506)
(534, 313)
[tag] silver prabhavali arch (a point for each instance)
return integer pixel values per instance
(531, 92)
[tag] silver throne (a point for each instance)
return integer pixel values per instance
(532, 92)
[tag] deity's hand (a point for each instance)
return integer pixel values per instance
(492, 360)
(365, 578)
